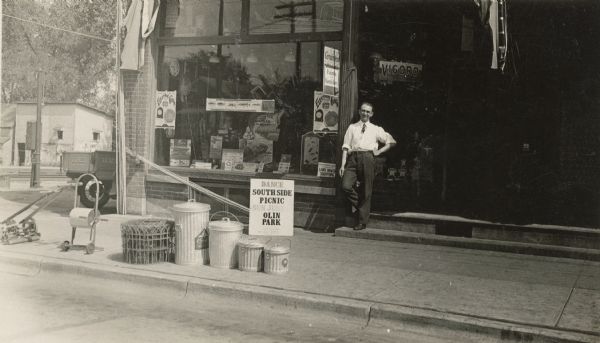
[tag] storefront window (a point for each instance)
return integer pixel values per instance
(232, 12)
(244, 106)
(289, 16)
(193, 18)
(281, 76)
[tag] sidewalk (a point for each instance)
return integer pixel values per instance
(503, 294)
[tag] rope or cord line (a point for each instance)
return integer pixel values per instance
(58, 28)
(197, 187)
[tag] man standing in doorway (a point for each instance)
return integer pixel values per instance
(361, 145)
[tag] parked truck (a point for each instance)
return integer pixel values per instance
(100, 163)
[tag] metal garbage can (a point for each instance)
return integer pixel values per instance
(277, 259)
(222, 242)
(191, 234)
(250, 254)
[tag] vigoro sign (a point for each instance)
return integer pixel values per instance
(390, 71)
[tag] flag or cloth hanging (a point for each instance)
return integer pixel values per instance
(494, 14)
(140, 20)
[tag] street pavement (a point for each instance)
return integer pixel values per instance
(504, 296)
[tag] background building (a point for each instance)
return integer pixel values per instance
(65, 127)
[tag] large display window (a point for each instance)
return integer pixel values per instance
(242, 105)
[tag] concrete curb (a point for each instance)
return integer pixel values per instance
(197, 288)
(472, 243)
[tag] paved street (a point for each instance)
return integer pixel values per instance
(67, 309)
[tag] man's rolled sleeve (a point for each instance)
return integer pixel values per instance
(384, 137)
(347, 139)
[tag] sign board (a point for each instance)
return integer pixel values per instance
(271, 207)
(325, 113)
(326, 169)
(331, 71)
(240, 105)
(30, 136)
(392, 71)
(166, 106)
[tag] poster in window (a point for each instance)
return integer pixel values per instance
(326, 169)
(259, 150)
(267, 126)
(284, 163)
(181, 150)
(166, 105)
(325, 113)
(331, 71)
(232, 159)
(216, 147)
(310, 150)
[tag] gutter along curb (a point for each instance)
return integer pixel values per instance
(183, 286)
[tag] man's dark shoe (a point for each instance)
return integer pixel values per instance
(359, 227)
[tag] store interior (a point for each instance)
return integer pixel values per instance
(517, 144)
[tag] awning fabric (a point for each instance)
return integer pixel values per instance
(139, 22)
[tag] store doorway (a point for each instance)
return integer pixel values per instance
(477, 142)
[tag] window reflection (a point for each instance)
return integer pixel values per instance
(232, 13)
(289, 16)
(191, 18)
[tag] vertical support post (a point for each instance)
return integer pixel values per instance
(36, 156)
(348, 93)
(121, 172)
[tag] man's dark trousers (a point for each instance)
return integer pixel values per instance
(360, 165)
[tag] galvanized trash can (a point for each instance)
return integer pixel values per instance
(250, 254)
(277, 259)
(222, 242)
(147, 241)
(191, 234)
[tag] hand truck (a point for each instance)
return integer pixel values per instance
(83, 217)
(25, 230)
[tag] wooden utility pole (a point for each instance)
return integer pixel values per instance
(36, 156)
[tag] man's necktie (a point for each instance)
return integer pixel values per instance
(364, 128)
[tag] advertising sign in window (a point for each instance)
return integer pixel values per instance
(325, 113)
(331, 71)
(392, 71)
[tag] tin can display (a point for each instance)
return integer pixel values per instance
(191, 234)
(277, 259)
(250, 253)
(222, 243)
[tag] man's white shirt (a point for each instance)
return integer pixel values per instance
(356, 139)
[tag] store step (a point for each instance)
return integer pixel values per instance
(471, 243)
(574, 237)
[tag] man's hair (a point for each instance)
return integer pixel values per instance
(368, 104)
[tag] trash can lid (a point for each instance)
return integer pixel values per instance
(250, 242)
(191, 206)
(277, 249)
(225, 225)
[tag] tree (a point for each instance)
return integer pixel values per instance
(78, 67)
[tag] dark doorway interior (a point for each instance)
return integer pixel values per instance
(518, 145)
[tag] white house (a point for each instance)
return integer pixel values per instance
(66, 126)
